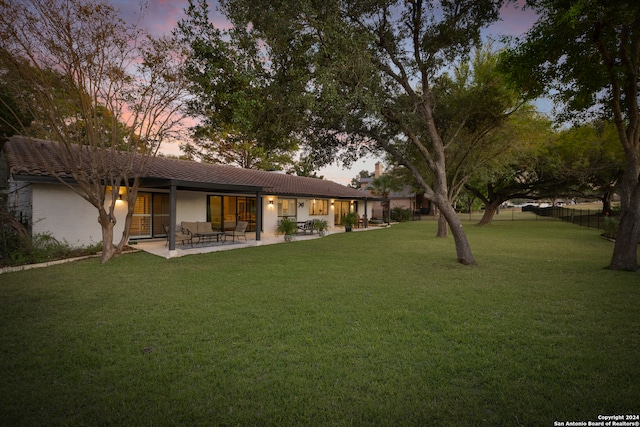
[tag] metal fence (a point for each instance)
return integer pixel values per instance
(590, 218)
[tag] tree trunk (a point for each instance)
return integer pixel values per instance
(463, 249)
(108, 250)
(490, 210)
(443, 228)
(625, 251)
(388, 211)
(125, 235)
(107, 222)
(433, 209)
(131, 193)
(606, 201)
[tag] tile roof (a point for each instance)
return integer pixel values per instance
(31, 157)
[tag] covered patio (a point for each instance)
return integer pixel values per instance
(175, 185)
(160, 247)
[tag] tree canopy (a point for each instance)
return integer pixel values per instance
(587, 160)
(104, 91)
(365, 73)
(13, 113)
(477, 115)
(586, 55)
(519, 172)
(242, 119)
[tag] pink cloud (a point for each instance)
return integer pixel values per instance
(515, 20)
(161, 16)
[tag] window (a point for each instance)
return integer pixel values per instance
(223, 212)
(150, 213)
(214, 212)
(230, 209)
(141, 220)
(247, 211)
(286, 208)
(319, 207)
(340, 209)
(160, 215)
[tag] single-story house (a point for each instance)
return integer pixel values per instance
(171, 191)
(406, 198)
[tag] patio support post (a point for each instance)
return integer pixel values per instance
(365, 218)
(172, 217)
(258, 215)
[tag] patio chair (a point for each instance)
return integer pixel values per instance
(180, 236)
(239, 231)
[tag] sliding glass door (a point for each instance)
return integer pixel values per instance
(150, 213)
(141, 220)
(160, 214)
(340, 209)
(224, 212)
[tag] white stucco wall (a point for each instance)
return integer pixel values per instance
(269, 215)
(270, 219)
(59, 211)
(68, 217)
(191, 206)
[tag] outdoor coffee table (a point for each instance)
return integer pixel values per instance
(210, 235)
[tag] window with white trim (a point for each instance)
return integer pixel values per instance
(319, 207)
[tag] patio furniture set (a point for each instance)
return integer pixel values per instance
(203, 232)
(305, 227)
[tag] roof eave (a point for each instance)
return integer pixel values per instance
(198, 186)
(41, 178)
(316, 195)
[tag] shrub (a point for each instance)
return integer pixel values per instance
(349, 220)
(320, 225)
(10, 244)
(610, 227)
(400, 214)
(16, 250)
(287, 227)
(615, 210)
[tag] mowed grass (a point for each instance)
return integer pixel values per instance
(370, 328)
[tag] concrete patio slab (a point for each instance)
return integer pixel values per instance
(159, 247)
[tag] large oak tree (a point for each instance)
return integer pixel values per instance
(588, 161)
(477, 110)
(365, 72)
(237, 102)
(521, 171)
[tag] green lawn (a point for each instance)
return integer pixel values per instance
(369, 328)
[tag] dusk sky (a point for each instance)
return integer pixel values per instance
(161, 16)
